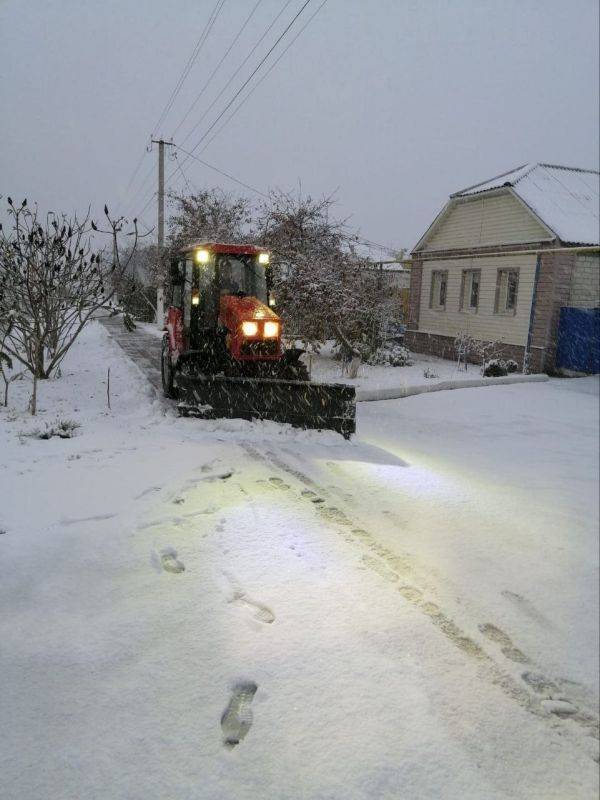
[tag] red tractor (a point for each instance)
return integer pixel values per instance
(222, 352)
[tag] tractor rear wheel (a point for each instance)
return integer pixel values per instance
(166, 370)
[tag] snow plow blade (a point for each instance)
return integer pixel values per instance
(319, 406)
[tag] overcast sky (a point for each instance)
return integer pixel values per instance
(393, 103)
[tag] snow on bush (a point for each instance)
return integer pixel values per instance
(497, 367)
(390, 355)
(62, 428)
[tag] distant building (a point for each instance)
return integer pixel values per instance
(394, 279)
(502, 259)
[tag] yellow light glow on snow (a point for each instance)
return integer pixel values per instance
(271, 329)
(263, 258)
(249, 328)
(202, 256)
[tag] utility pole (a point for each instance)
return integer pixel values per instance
(160, 292)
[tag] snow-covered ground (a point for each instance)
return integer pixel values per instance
(409, 614)
(424, 369)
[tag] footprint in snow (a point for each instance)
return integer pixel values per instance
(218, 476)
(507, 647)
(169, 560)
(150, 490)
(260, 612)
(236, 720)
(279, 483)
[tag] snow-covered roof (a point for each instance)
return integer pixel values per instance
(565, 199)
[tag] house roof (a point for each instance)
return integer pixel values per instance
(565, 199)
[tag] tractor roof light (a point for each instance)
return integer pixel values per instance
(249, 328)
(202, 256)
(263, 258)
(271, 329)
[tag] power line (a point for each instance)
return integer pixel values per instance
(349, 238)
(191, 61)
(136, 170)
(190, 154)
(185, 72)
(222, 172)
(187, 183)
(258, 83)
(212, 75)
(237, 71)
(252, 74)
(143, 187)
(287, 28)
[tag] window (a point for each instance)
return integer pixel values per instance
(507, 289)
(469, 296)
(439, 285)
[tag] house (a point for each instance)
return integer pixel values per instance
(502, 259)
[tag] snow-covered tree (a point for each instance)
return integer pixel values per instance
(322, 287)
(52, 281)
(212, 215)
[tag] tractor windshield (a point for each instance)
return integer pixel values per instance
(239, 273)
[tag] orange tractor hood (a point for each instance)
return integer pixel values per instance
(234, 310)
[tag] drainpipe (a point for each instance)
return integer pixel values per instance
(538, 263)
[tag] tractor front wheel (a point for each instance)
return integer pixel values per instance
(166, 370)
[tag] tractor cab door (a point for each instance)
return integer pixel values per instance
(176, 307)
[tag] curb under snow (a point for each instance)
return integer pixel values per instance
(363, 395)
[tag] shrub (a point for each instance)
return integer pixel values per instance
(497, 367)
(64, 429)
(390, 355)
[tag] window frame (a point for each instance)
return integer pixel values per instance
(443, 274)
(506, 312)
(464, 308)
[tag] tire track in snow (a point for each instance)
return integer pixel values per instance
(399, 572)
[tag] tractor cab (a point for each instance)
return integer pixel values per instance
(219, 298)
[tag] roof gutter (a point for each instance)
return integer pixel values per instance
(540, 250)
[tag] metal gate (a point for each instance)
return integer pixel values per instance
(578, 346)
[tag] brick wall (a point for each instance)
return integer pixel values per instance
(585, 283)
(443, 347)
(414, 296)
(553, 291)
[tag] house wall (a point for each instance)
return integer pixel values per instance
(585, 283)
(553, 288)
(485, 324)
(489, 220)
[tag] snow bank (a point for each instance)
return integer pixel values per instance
(392, 393)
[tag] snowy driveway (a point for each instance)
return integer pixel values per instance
(408, 615)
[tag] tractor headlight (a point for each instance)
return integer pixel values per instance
(263, 258)
(271, 330)
(249, 328)
(202, 256)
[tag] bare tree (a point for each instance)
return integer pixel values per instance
(6, 364)
(51, 282)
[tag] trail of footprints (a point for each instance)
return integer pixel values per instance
(237, 717)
